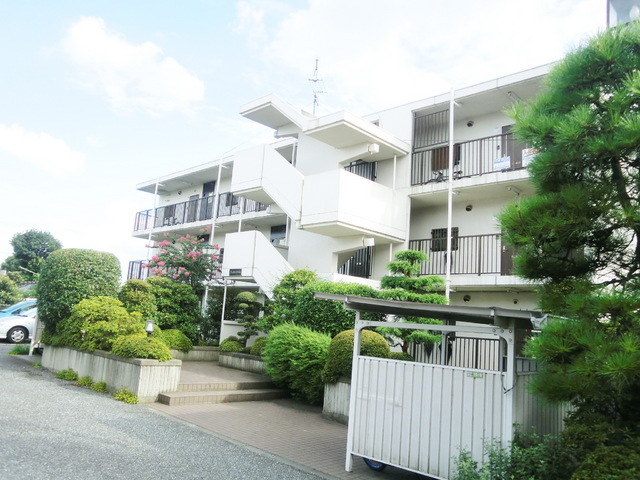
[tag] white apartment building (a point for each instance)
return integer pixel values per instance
(340, 194)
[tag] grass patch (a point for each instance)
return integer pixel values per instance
(125, 396)
(100, 387)
(85, 381)
(67, 374)
(19, 350)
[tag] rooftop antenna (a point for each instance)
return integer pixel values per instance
(317, 89)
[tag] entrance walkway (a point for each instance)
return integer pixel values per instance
(293, 431)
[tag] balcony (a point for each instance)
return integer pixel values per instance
(470, 255)
(193, 211)
(499, 153)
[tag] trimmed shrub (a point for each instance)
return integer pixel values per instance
(140, 346)
(67, 374)
(176, 340)
(340, 354)
(231, 346)
(294, 357)
(124, 395)
(258, 346)
(136, 296)
(177, 306)
(100, 387)
(95, 323)
(405, 357)
(71, 275)
(328, 316)
(610, 463)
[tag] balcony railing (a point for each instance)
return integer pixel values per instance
(194, 211)
(137, 271)
(472, 158)
(470, 255)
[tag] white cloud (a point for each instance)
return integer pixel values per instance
(133, 76)
(375, 54)
(40, 149)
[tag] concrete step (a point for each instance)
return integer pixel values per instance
(200, 387)
(221, 396)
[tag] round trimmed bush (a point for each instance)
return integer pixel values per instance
(141, 346)
(95, 323)
(137, 297)
(231, 346)
(294, 357)
(258, 346)
(176, 340)
(71, 275)
(177, 306)
(340, 355)
(401, 356)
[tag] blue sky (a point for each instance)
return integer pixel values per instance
(97, 96)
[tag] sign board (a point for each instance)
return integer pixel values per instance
(528, 154)
(501, 163)
(235, 272)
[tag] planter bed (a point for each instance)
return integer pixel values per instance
(198, 354)
(144, 378)
(242, 361)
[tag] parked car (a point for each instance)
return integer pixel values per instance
(18, 308)
(18, 328)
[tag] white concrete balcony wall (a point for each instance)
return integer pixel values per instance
(339, 203)
(262, 174)
(251, 256)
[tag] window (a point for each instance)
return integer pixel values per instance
(439, 239)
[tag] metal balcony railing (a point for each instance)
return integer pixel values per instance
(471, 158)
(194, 211)
(470, 255)
(137, 271)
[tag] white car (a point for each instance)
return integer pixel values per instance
(18, 328)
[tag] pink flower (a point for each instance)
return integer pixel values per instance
(194, 243)
(155, 258)
(175, 275)
(208, 229)
(145, 265)
(161, 264)
(181, 269)
(187, 236)
(164, 243)
(186, 274)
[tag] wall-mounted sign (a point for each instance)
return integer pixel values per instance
(528, 154)
(235, 272)
(502, 163)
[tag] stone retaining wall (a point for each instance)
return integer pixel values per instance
(242, 361)
(198, 354)
(144, 378)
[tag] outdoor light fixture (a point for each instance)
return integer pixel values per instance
(149, 327)
(620, 12)
(373, 148)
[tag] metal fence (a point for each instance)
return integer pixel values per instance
(470, 255)
(475, 157)
(194, 211)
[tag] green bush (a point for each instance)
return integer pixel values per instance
(19, 350)
(95, 323)
(85, 381)
(140, 346)
(340, 354)
(136, 296)
(124, 395)
(294, 357)
(9, 291)
(231, 346)
(71, 275)
(618, 462)
(258, 346)
(328, 316)
(67, 374)
(177, 306)
(401, 356)
(176, 340)
(100, 387)
(280, 309)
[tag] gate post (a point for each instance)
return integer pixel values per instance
(357, 336)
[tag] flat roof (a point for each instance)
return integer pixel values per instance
(499, 316)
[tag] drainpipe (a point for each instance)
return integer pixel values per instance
(214, 214)
(450, 198)
(155, 211)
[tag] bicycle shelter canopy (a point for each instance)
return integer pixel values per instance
(417, 416)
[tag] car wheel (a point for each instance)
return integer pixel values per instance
(17, 335)
(374, 465)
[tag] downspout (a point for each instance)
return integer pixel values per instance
(449, 200)
(155, 212)
(214, 214)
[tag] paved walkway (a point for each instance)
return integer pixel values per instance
(295, 432)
